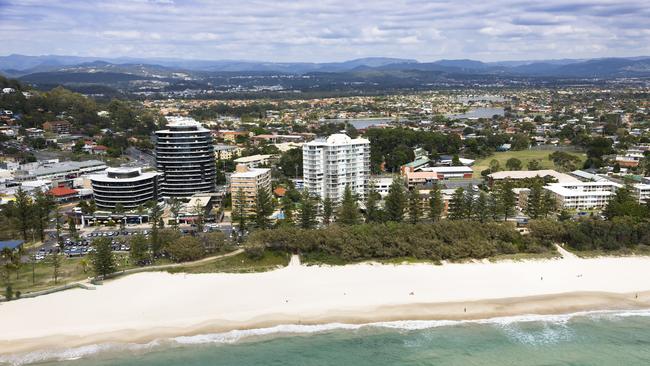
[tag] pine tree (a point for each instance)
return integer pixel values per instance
(175, 209)
(494, 208)
(396, 201)
(507, 199)
(239, 214)
(199, 213)
(287, 210)
(102, 257)
(615, 206)
(549, 203)
(455, 160)
(328, 210)
(154, 215)
(56, 266)
(348, 213)
(456, 210)
(373, 211)
(307, 211)
(59, 228)
(43, 206)
(72, 228)
(139, 251)
(469, 204)
(21, 211)
(436, 204)
(481, 209)
(414, 206)
(263, 208)
(534, 203)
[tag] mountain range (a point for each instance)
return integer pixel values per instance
(20, 65)
(375, 74)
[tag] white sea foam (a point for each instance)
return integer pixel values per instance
(554, 329)
(74, 353)
(236, 335)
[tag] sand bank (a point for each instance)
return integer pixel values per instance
(147, 306)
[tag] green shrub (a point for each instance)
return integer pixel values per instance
(442, 240)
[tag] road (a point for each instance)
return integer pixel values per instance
(140, 158)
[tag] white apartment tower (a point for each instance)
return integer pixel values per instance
(331, 164)
(185, 156)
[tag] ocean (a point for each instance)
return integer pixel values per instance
(598, 338)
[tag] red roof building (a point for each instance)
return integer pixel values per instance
(280, 191)
(63, 193)
(99, 149)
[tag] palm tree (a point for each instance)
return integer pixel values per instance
(119, 210)
(140, 210)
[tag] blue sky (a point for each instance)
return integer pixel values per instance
(327, 30)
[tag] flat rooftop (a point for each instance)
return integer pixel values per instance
(525, 174)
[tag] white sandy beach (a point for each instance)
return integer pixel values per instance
(145, 306)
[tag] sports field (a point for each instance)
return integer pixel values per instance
(524, 155)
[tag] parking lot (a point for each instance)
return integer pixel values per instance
(83, 246)
(119, 238)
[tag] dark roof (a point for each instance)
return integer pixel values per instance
(11, 244)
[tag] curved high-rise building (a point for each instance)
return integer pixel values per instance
(185, 156)
(129, 187)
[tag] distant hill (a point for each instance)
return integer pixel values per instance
(130, 76)
(608, 67)
(463, 64)
(78, 77)
(18, 65)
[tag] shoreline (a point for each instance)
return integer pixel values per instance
(149, 306)
(570, 304)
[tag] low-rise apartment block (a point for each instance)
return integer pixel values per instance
(226, 152)
(254, 161)
(57, 127)
(249, 181)
(583, 195)
(451, 172)
(641, 192)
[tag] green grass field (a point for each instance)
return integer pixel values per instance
(524, 155)
(40, 276)
(239, 263)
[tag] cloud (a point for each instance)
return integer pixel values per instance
(205, 36)
(328, 30)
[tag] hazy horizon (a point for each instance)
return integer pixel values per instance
(170, 58)
(329, 31)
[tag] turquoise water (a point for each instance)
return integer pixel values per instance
(588, 339)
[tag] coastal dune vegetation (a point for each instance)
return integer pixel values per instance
(437, 241)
